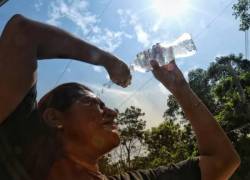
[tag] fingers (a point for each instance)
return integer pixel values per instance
(155, 65)
(156, 68)
(127, 82)
(123, 83)
(171, 66)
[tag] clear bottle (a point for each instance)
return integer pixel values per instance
(164, 53)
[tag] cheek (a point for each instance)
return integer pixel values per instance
(76, 126)
(102, 137)
(80, 116)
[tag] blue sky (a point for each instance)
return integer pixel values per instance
(125, 27)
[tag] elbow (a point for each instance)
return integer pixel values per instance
(16, 17)
(229, 165)
(15, 25)
(15, 21)
(236, 161)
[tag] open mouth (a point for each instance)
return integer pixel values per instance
(110, 125)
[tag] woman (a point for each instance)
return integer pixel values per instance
(22, 42)
(71, 128)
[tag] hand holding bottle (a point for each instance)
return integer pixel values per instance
(170, 76)
(164, 52)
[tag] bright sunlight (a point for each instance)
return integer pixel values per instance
(170, 8)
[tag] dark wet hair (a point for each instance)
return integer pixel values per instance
(48, 147)
(62, 97)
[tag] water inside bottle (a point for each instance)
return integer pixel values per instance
(142, 62)
(183, 47)
(164, 53)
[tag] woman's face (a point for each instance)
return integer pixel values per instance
(90, 123)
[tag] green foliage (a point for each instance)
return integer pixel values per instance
(174, 111)
(169, 143)
(131, 128)
(224, 87)
(132, 133)
(241, 10)
(200, 82)
(106, 167)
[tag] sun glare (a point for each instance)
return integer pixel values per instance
(170, 8)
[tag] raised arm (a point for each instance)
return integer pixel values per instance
(218, 158)
(23, 41)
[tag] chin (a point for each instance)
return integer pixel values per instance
(113, 141)
(107, 140)
(116, 138)
(112, 135)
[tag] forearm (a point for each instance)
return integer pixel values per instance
(218, 158)
(53, 42)
(211, 137)
(213, 143)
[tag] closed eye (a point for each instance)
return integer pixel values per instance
(102, 105)
(92, 101)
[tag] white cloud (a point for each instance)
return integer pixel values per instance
(145, 35)
(107, 77)
(128, 18)
(142, 36)
(108, 39)
(157, 25)
(163, 89)
(186, 75)
(119, 93)
(97, 68)
(38, 5)
(153, 107)
(75, 11)
(87, 23)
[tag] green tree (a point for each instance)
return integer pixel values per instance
(228, 66)
(241, 10)
(169, 143)
(132, 130)
(173, 111)
(131, 127)
(225, 88)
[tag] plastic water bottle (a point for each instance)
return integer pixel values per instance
(164, 53)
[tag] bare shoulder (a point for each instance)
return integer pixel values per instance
(17, 65)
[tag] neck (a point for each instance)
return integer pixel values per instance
(82, 156)
(87, 163)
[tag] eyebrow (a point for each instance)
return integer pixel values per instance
(94, 98)
(101, 102)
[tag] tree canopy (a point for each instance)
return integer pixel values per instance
(241, 11)
(224, 87)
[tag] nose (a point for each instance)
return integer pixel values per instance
(110, 112)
